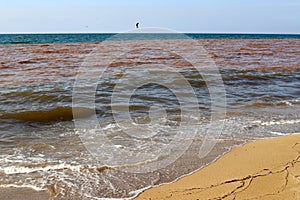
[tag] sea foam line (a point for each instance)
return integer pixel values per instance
(25, 170)
(281, 122)
(23, 186)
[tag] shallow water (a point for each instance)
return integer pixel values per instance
(41, 147)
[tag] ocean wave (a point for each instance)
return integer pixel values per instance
(25, 170)
(290, 103)
(56, 114)
(278, 122)
(22, 186)
(46, 167)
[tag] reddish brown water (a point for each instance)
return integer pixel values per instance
(40, 148)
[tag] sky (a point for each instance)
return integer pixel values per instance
(117, 16)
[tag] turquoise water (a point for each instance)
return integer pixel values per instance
(99, 37)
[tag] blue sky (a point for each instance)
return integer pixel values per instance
(209, 16)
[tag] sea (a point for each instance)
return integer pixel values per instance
(105, 116)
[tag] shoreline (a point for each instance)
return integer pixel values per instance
(248, 68)
(272, 174)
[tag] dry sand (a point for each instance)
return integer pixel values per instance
(265, 169)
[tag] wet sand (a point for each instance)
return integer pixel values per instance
(23, 194)
(265, 169)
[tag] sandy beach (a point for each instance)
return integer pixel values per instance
(265, 169)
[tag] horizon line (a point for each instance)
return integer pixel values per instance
(192, 32)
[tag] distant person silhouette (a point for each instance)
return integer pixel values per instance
(137, 25)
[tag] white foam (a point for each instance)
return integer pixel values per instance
(109, 126)
(290, 102)
(287, 103)
(278, 133)
(22, 186)
(25, 170)
(281, 122)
